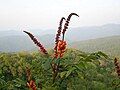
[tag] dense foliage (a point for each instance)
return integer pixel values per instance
(78, 70)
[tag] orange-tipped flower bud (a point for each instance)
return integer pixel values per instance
(31, 85)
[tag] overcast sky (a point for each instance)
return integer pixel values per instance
(45, 14)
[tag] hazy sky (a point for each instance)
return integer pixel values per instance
(45, 14)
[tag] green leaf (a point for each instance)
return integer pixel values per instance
(18, 82)
(99, 85)
(103, 54)
(49, 88)
(46, 65)
(81, 66)
(69, 71)
(62, 74)
(80, 75)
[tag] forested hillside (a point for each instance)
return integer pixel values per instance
(109, 45)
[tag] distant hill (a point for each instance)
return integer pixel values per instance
(93, 32)
(23, 43)
(109, 45)
(13, 40)
(73, 34)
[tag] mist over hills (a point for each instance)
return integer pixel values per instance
(13, 41)
(22, 43)
(85, 33)
(75, 34)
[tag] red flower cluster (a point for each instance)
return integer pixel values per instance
(31, 85)
(117, 66)
(61, 47)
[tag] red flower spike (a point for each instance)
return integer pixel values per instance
(117, 66)
(67, 23)
(58, 32)
(58, 36)
(36, 42)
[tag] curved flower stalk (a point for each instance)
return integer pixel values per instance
(37, 42)
(67, 23)
(56, 50)
(59, 50)
(117, 66)
(60, 45)
(58, 36)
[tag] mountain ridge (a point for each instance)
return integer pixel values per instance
(14, 42)
(78, 33)
(109, 45)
